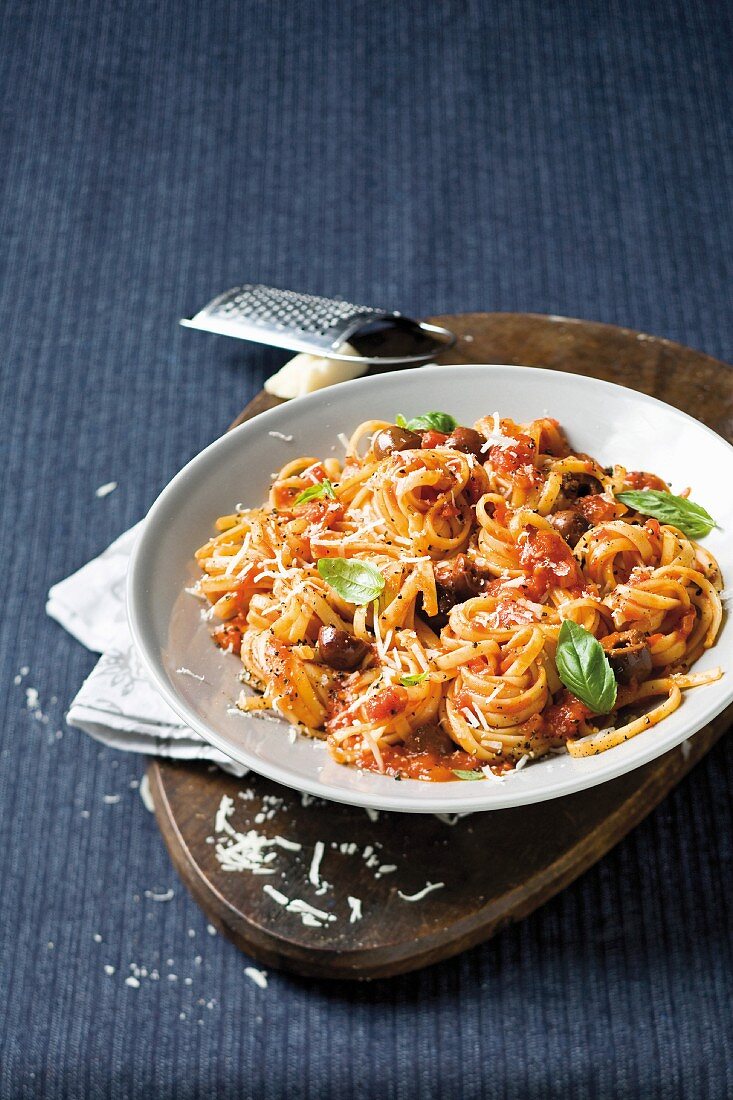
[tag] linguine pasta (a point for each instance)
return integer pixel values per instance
(429, 649)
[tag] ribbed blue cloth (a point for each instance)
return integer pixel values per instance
(570, 158)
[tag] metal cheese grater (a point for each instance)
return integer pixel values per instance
(321, 326)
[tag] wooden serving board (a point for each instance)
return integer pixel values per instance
(495, 867)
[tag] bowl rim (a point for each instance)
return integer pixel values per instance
(135, 589)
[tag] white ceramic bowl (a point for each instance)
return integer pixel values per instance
(607, 421)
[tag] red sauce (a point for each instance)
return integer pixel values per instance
(494, 588)
(321, 516)
(284, 496)
(432, 439)
(477, 665)
(640, 479)
(316, 471)
(563, 718)
(549, 560)
(448, 510)
(501, 512)
(322, 512)
(598, 509)
(427, 764)
(229, 637)
(385, 704)
(247, 586)
(462, 699)
(516, 461)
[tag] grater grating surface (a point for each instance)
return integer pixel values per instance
(320, 326)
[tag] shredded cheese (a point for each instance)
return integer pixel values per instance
(309, 915)
(427, 889)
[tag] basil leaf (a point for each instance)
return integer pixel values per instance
(584, 669)
(434, 421)
(355, 581)
(322, 489)
(414, 679)
(468, 776)
(690, 518)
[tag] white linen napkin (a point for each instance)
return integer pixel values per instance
(118, 704)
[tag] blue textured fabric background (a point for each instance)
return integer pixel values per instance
(569, 158)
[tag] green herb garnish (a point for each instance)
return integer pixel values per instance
(413, 679)
(433, 421)
(584, 668)
(355, 581)
(314, 492)
(690, 518)
(468, 776)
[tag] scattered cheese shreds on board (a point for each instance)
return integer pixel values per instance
(314, 873)
(106, 489)
(166, 895)
(427, 889)
(259, 977)
(314, 918)
(248, 851)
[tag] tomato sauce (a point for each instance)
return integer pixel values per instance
(640, 479)
(284, 496)
(321, 515)
(501, 512)
(229, 637)
(549, 560)
(562, 719)
(426, 764)
(386, 704)
(598, 509)
(477, 665)
(432, 439)
(515, 461)
(248, 586)
(448, 510)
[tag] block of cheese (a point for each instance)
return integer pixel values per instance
(306, 373)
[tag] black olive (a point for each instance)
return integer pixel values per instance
(466, 440)
(340, 650)
(628, 655)
(395, 439)
(580, 485)
(457, 579)
(571, 525)
(459, 575)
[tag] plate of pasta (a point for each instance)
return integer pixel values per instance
(445, 589)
